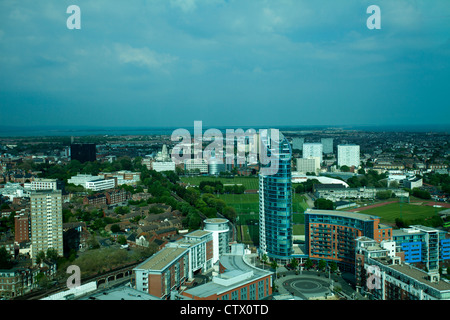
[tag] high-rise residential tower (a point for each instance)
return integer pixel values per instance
(275, 201)
(348, 155)
(327, 144)
(313, 150)
(46, 222)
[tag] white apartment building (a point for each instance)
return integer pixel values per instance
(348, 155)
(308, 165)
(313, 150)
(221, 236)
(44, 184)
(46, 221)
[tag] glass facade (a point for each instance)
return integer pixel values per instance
(275, 202)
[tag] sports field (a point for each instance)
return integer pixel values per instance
(407, 211)
(248, 227)
(250, 183)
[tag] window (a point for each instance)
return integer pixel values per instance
(244, 294)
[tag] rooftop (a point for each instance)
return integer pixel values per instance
(162, 259)
(416, 274)
(346, 214)
(238, 272)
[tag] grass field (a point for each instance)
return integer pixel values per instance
(406, 211)
(250, 183)
(248, 203)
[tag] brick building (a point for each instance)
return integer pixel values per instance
(330, 235)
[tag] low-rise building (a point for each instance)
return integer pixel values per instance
(337, 193)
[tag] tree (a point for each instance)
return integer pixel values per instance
(294, 263)
(382, 195)
(122, 240)
(115, 228)
(322, 265)
(274, 265)
(308, 263)
(229, 213)
(333, 266)
(345, 168)
(264, 258)
(52, 254)
(40, 257)
(5, 259)
(422, 194)
(323, 204)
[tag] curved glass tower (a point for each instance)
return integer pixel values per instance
(275, 200)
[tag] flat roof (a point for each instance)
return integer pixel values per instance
(198, 233)
(421, 276)
(346, 214)
(160, 260)
(235, 266)
(120, 293)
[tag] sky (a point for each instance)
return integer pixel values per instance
(156, 63)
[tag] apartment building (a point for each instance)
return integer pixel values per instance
(46, 221)
(44, 184)
(235, 279)
(22, 227)
(382, 275)
(330, 235)
(348, 155)
(338, 192)
(423, 244)
(313, 150)
(176, 263)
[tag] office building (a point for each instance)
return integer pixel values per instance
(101, 184)
(348, 155)
(83, 152)
(275, 202)
(313, 150)
(81, 179)
(327, 144)
(46, 222)
(330, 235)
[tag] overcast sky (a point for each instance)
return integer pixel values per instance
(226, 63)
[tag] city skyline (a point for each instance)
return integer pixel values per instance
(228, 63)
